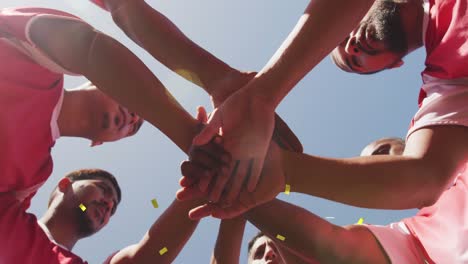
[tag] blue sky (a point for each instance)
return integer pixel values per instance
(333, 113)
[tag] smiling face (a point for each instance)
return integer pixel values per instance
(109, 120)
(265, 251)
(378, 43)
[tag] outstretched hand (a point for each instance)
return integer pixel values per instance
(272, 182)
(246, 126)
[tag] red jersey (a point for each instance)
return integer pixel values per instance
(442, 229)
(31, 91)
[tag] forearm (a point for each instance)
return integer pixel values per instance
(117, 72)
(307, 237)
(171, 231)
(229, 241)
(324, 24)
(162, 39)
(383, 182)
(135, 87)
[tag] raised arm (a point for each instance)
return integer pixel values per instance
(79, 48)
(169, 45)
(414, 180)
(228, 244)
(171, 231)
(311, 239)
(247, 116)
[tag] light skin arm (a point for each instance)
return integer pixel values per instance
(165, 42)
(172, 230)
(311, 238)
(319, 30)
(228, 244)
(116, 71)
(414, 180)
(246, 117)
(100, 59)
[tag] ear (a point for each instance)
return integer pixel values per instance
(96, 143)
(397, 64)
(63, 184)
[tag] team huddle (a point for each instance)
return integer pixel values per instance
(242, 155)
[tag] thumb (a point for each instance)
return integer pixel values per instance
(209, 131)
(202, 117)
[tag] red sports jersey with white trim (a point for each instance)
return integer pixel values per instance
(442, 229)
(31, 90)
(23, 241)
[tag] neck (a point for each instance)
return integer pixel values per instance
(74, 120)
(412, 14)
(62, 230)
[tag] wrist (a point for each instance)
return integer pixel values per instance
(260, 92)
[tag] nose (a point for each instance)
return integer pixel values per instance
(270, 253)
(351, 47)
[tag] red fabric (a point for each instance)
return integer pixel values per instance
(100, 3)
(446, 39)
(29, 93)
(442, 229)
(23, 241)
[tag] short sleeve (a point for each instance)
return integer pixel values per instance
(15, 27)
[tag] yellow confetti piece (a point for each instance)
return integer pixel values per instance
(287, 189)
(82, 207)
(361, 221)
(155, 203)
(163, 251)
(280, 237)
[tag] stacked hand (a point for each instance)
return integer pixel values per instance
(206, 164)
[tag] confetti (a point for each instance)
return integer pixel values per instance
(82, 207)
(287, 189)
(280, 237)
(361, 221)
(155, 203)
(163, 251)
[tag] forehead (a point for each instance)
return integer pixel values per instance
(367, 151)
(103, 182)
(259, 242)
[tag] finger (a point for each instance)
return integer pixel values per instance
(209, 156)
(189, 193)
(201, 115)
(200, 212)
(192, 170)
(254, 173)
(228, 213)
(238, 181)
(285, 137)
(204, 182)
(209, 131)
(187, 182)
(221, 180)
